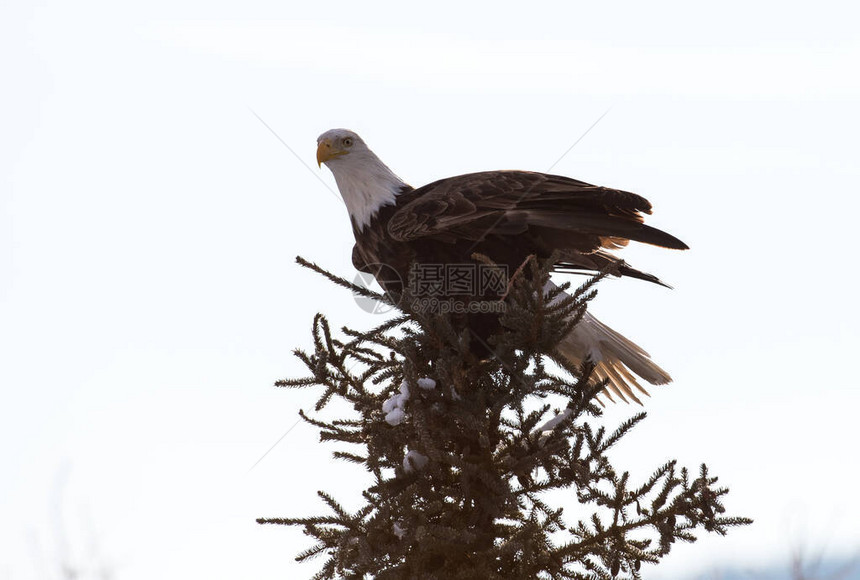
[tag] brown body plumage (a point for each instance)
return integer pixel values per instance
(506, 216)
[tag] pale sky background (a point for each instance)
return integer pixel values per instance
(149, 222)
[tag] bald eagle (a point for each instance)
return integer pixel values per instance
(508, 216)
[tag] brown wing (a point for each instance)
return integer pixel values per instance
(359, 261)
(583, 216)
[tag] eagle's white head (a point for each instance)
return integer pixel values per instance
(365, 183)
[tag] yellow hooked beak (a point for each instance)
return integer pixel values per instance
(326, 151)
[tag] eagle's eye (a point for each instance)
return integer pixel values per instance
(347, 141)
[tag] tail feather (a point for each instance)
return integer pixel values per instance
(616, 359)
(631, 354)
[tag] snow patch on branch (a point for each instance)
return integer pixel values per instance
(427, 383)
(395, 417)
(555, 421)
(414, 461)
(394, 406)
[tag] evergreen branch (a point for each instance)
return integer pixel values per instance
(344, 283)
(463, 470)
